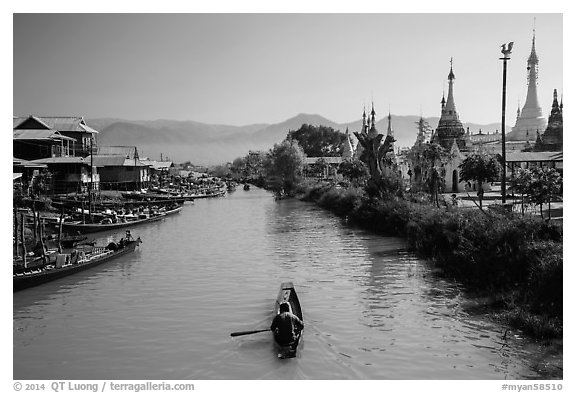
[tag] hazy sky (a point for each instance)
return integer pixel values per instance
(240, 69)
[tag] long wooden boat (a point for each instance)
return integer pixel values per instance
(155, 197)
(210, 193)
(67, 203)
(66, 264)
(78, 226)
(288, 294)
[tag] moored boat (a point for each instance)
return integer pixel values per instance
(288, 295)
(107, 224)
(70, 262)
(72, 203)
(155, 197)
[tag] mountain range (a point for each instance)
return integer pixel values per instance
(211, 144)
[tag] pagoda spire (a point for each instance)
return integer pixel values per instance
(450, 107)
(373, 132)
(556, 112)
(531, 118)
(533, 58)
(555, 99)
(390, 132)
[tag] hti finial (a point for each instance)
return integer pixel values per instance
(451, 74)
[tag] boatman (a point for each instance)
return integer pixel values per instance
(286, 325)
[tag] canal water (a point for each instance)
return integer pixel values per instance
(372, 310)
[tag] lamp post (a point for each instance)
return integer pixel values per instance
(504, 58)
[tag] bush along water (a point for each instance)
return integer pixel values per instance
(515, 259)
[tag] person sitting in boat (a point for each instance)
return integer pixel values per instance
(286, 325)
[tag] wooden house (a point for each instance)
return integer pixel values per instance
(82, 136)
(118, 172)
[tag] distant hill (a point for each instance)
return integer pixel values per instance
(209, 144)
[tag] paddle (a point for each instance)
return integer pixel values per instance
(236, 334)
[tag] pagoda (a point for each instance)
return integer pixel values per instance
(450, 129)
(552, 138)
(530, 121)
(348, 149)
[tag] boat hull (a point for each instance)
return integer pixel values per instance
(288, 294)
(26, 281)
(156, 197)
(91, 228)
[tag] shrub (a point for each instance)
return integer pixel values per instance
(342, 201)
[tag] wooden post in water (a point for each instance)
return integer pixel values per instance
(17, 243)
(38, 227)
(41, 236)
(60, 230)
(23, 239)
(35, 229)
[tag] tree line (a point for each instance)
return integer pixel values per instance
(282, 168)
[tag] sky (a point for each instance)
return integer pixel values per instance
(245, 68)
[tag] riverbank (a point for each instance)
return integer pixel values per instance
(515, 260)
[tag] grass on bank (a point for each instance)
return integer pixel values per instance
(516, 259)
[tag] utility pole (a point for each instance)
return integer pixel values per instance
(506, 56)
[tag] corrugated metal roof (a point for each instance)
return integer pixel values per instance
(16, 176)
(158, 165)
(62, 160)
(114, 160)
(126, 151)
(31, 118)
(26, 163)
(534, 156)
(133, 162)
(88, 129)
(71, 123)
(40, 134)
(59, 123)
(16, 120)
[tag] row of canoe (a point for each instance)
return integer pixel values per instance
(79, 226)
